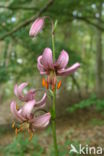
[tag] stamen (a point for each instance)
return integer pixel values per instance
(21, 128)
(18, 130)
(31, 134)
(47, 86)
(59, 84)
(13, 124)
(43, 82)
(17, 107)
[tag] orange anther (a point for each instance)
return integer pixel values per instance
(31, 134)
(43, 82)
(59, 84)
(47, 86)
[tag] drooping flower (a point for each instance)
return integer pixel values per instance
(47, 66)
(18, 90)
(25, 115)
(37, 26)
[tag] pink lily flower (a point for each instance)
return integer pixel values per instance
(36, 27)
(26, 117)
(47, 66)
(18, 90)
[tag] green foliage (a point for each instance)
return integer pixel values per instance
(65, 149)
(92, 101)
(99, 105)
(97, 122)
(4, 74)
(22, 146)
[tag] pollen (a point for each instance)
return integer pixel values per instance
(59, 84)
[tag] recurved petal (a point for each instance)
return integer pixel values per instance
(36, 26)
(30, 95)
(62, 60)
(27, 108)
(69, 70)
(16, 113)
(47, 60)
(42, 102)
(18, 89)
(39, 65)
(41, 121)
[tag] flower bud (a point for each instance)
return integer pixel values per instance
(36, 27)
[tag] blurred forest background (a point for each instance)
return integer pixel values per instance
(80, 102)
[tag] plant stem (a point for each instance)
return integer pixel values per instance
(53, 42)
(54, 101)
(54, 137)
(54, 124)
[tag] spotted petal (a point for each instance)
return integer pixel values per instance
(27, 108)
(42, 102)
(40, 66)
(18, 90)
(69, 70)
(47, 60)
(30, 95)
(16, 113)
(41, 121)
(62, 60)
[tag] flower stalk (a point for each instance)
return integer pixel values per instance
(53, 44)
(53, 114)
(54, 123)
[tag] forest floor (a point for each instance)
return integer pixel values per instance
(84, 127)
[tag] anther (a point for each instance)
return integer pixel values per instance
(31, 134)
(17, 107)
(59, 84)
(13, 124)
(43, 82)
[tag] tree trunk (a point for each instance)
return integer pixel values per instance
(99, 60)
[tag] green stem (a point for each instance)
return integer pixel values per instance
(54, 101)
(54, 124)
(53, 42)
